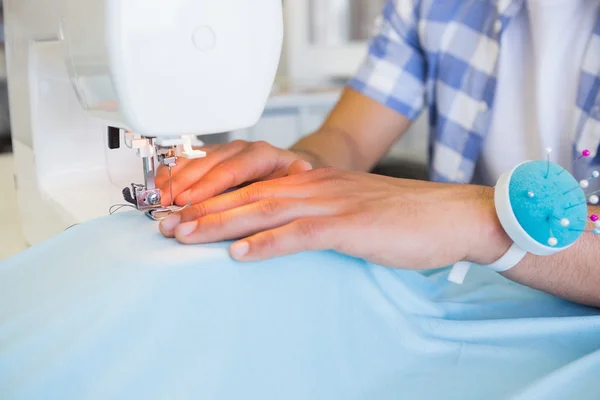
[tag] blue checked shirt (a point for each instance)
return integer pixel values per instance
(444, 54)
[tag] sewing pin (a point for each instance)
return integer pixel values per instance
(576, 205)
(564, 222)
(597, 191)
(171, 187)
(553, 242)
(569, 191)
(591, 218)
(584, 184)
(548, 152)
(584, 154)
(594, 231)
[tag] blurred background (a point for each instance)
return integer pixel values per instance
(325, 42)
(4, 114)
(11, 240)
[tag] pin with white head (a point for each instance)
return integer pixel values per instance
(548, 152)
(584, 184)
(564, 222)
(593, 197)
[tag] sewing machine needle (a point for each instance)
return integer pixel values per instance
(171, 187)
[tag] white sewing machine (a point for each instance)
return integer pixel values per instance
(88, 76)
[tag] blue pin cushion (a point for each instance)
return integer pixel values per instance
(542, 207)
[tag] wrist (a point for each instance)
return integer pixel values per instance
(489, 241)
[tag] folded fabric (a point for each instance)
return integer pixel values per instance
(110, 309)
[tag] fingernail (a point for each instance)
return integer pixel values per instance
(187, 229)
(171, 222)
(307, 166)
(240, 249)
(184, 196)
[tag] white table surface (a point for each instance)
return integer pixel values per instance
(11, 239)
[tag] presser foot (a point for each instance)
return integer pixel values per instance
(158, 214)
(148, 201)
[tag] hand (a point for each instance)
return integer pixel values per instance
(391, 222)
(226, 166)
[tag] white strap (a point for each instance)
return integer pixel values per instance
(509, 260)
(459, 272)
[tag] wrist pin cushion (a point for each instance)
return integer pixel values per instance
(543, 209)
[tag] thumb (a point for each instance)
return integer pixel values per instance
(298, 167)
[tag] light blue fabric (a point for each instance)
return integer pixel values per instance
(111, 310)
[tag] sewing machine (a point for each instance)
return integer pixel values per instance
(95, 85)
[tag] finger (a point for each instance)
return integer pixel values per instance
(301, 186)
(308, 234)
(214, 205)
(250, 219)
(167, 226)
(194, 170)
(299, 167)
(162, 173)
(251, 194)
(232, 200)
(257, 161)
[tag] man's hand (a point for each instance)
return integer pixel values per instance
(391, 222)
(355, 136)
(227, 166)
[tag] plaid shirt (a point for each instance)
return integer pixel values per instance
(444, 54)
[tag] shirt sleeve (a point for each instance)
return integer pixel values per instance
(393, 72)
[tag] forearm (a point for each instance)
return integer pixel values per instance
(332, 148)
(573, 274)
(355, 136)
